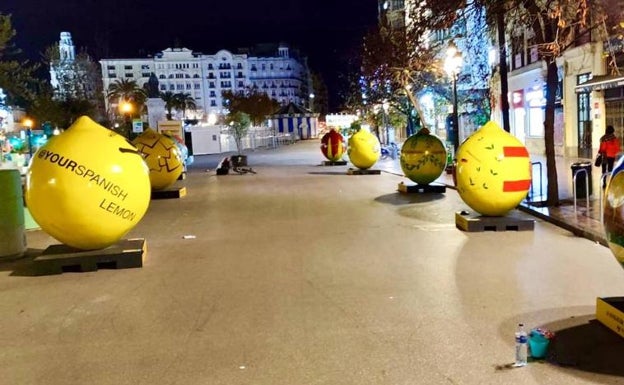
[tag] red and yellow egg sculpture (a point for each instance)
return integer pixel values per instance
(364, 149)
(493, 171)
(162, 156)
(88, 186)
(333, 145)
(423, 157)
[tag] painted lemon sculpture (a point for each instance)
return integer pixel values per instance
(88, 186)
(614, 212)
(493, 171)
(333, 145)
(423, 157)
(162, 157)
(364, 149)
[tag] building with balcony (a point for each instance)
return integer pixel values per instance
(271, 69)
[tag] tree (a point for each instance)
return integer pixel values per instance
(239, 123)
(257, 105)
(185, 102)
(78, 85)
(125, 90)
(170, 102)
(17, 78)
(556, 25)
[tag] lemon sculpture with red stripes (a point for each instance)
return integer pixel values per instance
(493, 171)
(333, 145)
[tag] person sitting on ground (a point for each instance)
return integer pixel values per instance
(609, 148)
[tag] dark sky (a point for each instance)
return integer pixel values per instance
(327, 31)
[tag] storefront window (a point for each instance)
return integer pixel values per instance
(535, 103)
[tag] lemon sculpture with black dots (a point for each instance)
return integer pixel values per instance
(162, 156)
(493, 171)
(88, 186)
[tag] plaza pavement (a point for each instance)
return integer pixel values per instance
(301, 274)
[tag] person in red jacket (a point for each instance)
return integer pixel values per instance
(609, 148)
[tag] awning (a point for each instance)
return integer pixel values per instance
(601, 82)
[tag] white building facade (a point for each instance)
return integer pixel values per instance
(282, 76)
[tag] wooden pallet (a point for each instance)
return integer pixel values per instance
(56, 259)
(357, 171)
(421, 188)
(475, 222)
(334, 163)
(169, 193)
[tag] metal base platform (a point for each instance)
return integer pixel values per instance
(421, 188)
(334, 163)
(474, 222)
(169, 193)
(56, 259)
(357, 171)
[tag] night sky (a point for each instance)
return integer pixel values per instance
(327, 31)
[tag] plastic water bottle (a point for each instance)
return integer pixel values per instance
(521, 346)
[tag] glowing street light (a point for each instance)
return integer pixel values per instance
(452, 66)
(29, 123)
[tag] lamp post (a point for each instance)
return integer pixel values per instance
(452, 66)
(311, 102)
(385, 106)
(28, 123)
(125, 107)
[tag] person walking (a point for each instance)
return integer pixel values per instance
(609, 148)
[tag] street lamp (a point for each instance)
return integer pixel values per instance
(452, 66)
(311, 102)
(125, 107)
(385, 106)
(28, 123)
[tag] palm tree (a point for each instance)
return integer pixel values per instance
(170, 100)
(125, 90)
(185, 102)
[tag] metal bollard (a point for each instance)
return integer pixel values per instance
(12, 229)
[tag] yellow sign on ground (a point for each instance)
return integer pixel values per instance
(609, 313)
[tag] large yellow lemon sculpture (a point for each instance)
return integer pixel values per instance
(493, 171)
(88, 186)
(423, 157)
(364, 149)
(162, 156)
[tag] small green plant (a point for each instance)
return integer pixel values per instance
(239, 123)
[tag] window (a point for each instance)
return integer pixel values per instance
(239, 66)
(188, 86)
(196, 86)
(127, 67)
(212, 94)
(253, 67)
(161, 76)
(172, 87)
(179, 76)
(211, 85)
(146, 74)
(196, 76)
(112, 76)
(213, 103)
(144, 67)
(180, 87)
(210, 66)
(110, 68)
(129, 75)
(163, 87)
(240, 84)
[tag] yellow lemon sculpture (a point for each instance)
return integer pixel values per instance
(88, 186)
(162, 156)
(364, 149)
(493, 171)
(423, 157)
